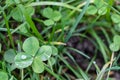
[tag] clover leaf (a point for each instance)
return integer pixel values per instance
(56, 16)
(102, 10)
(3, 75)
(51, 61)
(17, 14)
(54, 50)
(115, 18)
(37, 65)
(117, 27)
(44, 52)
(115, 46)
(99, 3)
(24, 27)
(51, 15)
(116, 39)
(91, 10)
(23, 60)
(31, 45)
(48, 22)
(9, 56)
(30, 10)
(48, 12)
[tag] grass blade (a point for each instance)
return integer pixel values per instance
(30, 22)
(77, 21)
(53, 3)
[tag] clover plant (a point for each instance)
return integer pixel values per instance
(97, 7)
(51, 15)
(17, 15)
(32, 55)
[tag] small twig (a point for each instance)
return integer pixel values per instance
(111, 62)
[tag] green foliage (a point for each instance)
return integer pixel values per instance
(92, 10)
(37, 65)
(53, 16)
(33, 55)
(115, 18)
(9, 56)
(31, 45)
(115, 46)
(102, 10)
(23, 60)
(117, 27)
(54, 50)
(44, 53)
(3, 75)
(48, 22)
(24, 27)
(18, 15)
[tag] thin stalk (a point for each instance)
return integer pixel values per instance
(79, 6)
(13, 31)
(100, 43)
(53, 3)
(30, 22)
(8, 30)
(106, 35)
(69, 66)
(52, 34)
(110, 2)
(77, 21)
(112, 59)
(91, 62)
(52, 73)
(22, 74)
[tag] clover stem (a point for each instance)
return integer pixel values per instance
(112, 59)
(22, 74)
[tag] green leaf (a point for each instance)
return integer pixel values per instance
(31, 46)
(116, 39)
(24, 27)
(23, 60)
(99, 3)
(37, 65)
(115, 18)
(3, 75)
(92, 10)
(54, 50)
(56, 16)
(9, 56)
(117, 27)
(17, 14)
(51, 61)
(12, 67)
(114, 47)
(102, 10)
(30, 10)
(9, 2)
(48, 12)
(48, 22)
(44, 52)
